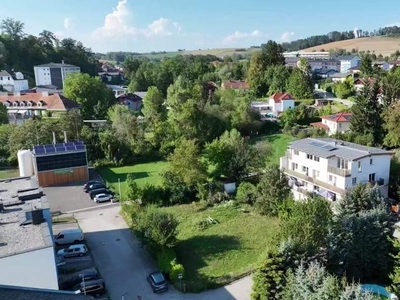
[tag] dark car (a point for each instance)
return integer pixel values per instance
(157, 282)
(94, 186)
(100, 191)
(90, 182)
(94, 288)
(75, 280)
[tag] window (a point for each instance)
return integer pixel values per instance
(295, 166)
(340, 125)
(309, 156)
(304, 169)
(8, 78)
(296, 152)
(330, 178)
(371, 161)
(359, 167)
(354, 180)
(30, 103)
(15, 103)
(371, 177)
(316, 158)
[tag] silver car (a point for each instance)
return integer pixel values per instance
(102, 198)
(73, 250)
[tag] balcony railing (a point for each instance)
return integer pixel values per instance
(340, 172)
(315, 181)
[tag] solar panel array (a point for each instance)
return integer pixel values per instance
(59, 148)
(323, 146)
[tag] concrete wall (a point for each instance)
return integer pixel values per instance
(35, 269)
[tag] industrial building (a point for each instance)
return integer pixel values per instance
(27, 255)
(55, 164)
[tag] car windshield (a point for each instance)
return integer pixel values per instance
(158, 278)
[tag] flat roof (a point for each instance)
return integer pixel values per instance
(24, 293)
(56, 65)
(328, 147)
(14, 238)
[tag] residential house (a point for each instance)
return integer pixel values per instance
(306, 54)
(279, 102)
(394, 63)
(111, 77)
(347, 62)
(118, 89)
(339, 122)
(22, 106)
(54, 73)
(27, 256)
(330, 168)
(385, 66)
(339, 77)
(133, 101)
(354, 70)
(13, 82)
(360, 83)
(315, 63)
(237, 85)
(324, 72)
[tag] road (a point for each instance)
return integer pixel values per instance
(123, 263)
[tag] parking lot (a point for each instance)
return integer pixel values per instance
(69, 198)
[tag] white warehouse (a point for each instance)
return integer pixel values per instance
(329, 167)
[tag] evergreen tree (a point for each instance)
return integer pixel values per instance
(366, 118)
(300, 81)
(366, 66)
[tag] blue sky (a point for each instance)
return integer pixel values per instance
(155, 25)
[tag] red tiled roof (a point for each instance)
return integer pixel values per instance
(278, 97)
(339, 117)
(320, 125)
(371, 80)
(50, 102)
(235, 84)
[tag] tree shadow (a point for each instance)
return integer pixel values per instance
(194, 253)
(112, 177)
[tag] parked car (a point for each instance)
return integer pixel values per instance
(69, 236)
(379, 291)
(94, 288)
(90, 182)
(77, 279)
(73, 250)
(157, 282)
(100, 191)
(102, 198)
(94, 186)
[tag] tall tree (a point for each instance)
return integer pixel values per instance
(366, 66)
(153, 106)
(391, 86)
(391, 117)
(14, 29)
(366, 113)
(277, 78)
(94, 96)
(300, 82)
(3, 114)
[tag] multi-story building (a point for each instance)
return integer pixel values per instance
(316, 64)
(22, 106)
(316, 54)
(339, 122)
(330, 168)
(54, 74)
(13, 82)
(347, 62)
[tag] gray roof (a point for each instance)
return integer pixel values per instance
(346, 57)
(15, 238)
(56, 65)
(4, 73)
(25, 293)
(339, 75)
(346, 150)
(140, 94)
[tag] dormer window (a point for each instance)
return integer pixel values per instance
(41, 103)
(22, 103)
(30, 103)
(7, 103)
(16, 103)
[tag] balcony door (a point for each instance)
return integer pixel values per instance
(342, 163)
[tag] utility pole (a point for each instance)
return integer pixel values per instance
(119, 189)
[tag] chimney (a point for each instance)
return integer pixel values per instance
(17, 94)
(54, 138)
(65, 137)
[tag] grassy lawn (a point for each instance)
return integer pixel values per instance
(144, 172)
(224, 251)
(9, 173)
(278, 142)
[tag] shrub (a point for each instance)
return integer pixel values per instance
(246, 193)
(201, 224)
(164, 259)
(302, 134)
(151, 194)
(175, 270)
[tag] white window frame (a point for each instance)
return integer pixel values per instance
(15, 104)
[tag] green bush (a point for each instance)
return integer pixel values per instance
(246, 193)
(201, 224)
(176, 269)
(164, 259)
(302, 134)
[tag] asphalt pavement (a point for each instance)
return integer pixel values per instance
(123, 262)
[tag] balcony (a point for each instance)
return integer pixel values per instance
(315, 181)
(288, 155)
(340, 172)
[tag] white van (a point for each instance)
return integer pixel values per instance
(69, 236)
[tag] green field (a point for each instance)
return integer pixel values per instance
(224, 251)
(9, 173)
(144, 173)
(278, 142)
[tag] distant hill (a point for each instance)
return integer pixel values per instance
(378, 45)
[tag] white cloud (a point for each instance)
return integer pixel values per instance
(67, 24)
(117, 25)
(287, 36)
(237, 35)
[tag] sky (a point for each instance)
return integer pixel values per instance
(168, 25)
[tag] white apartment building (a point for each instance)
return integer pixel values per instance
(54, 74)
(316, 54)
(329, 167)
(347, 62)
(316, 64)
(339, 122)
(14, 82)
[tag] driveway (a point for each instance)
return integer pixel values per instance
(123, 263)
